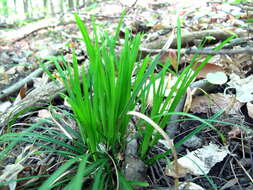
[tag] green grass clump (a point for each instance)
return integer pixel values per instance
(101, 94)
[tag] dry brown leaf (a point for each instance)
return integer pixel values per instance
(172, 55)
(21, 94)
(158, 27)
(188, 100)
(22, 91)
(234, 132)
(208, 68)
(215, 102)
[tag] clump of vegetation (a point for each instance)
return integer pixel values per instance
(101, 95)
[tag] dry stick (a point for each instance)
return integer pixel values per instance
(233, 171)
(60, 126)
(246, 50)
(37, 97)
(238, 41)
(166, 137)
(19, 34)
(219, 34)
(14, 88)
(245, 171)
(207, 51)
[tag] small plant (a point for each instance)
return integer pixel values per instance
(101, 94)
(101, 99)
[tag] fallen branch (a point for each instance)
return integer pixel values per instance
(38, 97)
(16, 87)
(19, 34)
(206, 51)
(246, 50)
(188, 38)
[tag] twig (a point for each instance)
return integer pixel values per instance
(188, 38)
(207, 51)
(236, 178)
(246, 50)
(245, 171)
(37, 97)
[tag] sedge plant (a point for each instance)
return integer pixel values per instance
(101, 93)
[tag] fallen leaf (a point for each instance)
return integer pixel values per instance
(214, 103)
(234, 132)
(190, 186)
(22, 91)
(172, 56)
(208, 68)
(10, 173)
(244, 87)
(4, 106)
(44, 113)
(200, 161)
(21, 94)
(250, 109)
(158, 26)
(217, 78)
(169, 81)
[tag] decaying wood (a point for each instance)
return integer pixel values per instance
(19, 34)
(246, 50)
(38, 97)
(205, 51)
(15, 87)
(188, 38)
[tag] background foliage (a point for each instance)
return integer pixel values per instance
(14, 10)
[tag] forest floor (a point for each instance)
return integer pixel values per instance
(227, 163)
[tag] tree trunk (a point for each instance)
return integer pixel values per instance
(31, 9)
(26, 11)
(45, 7)
(15, 6)
(52, 8)
(71, 4)
(5, 8)
(62, 6)
(77, 3)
